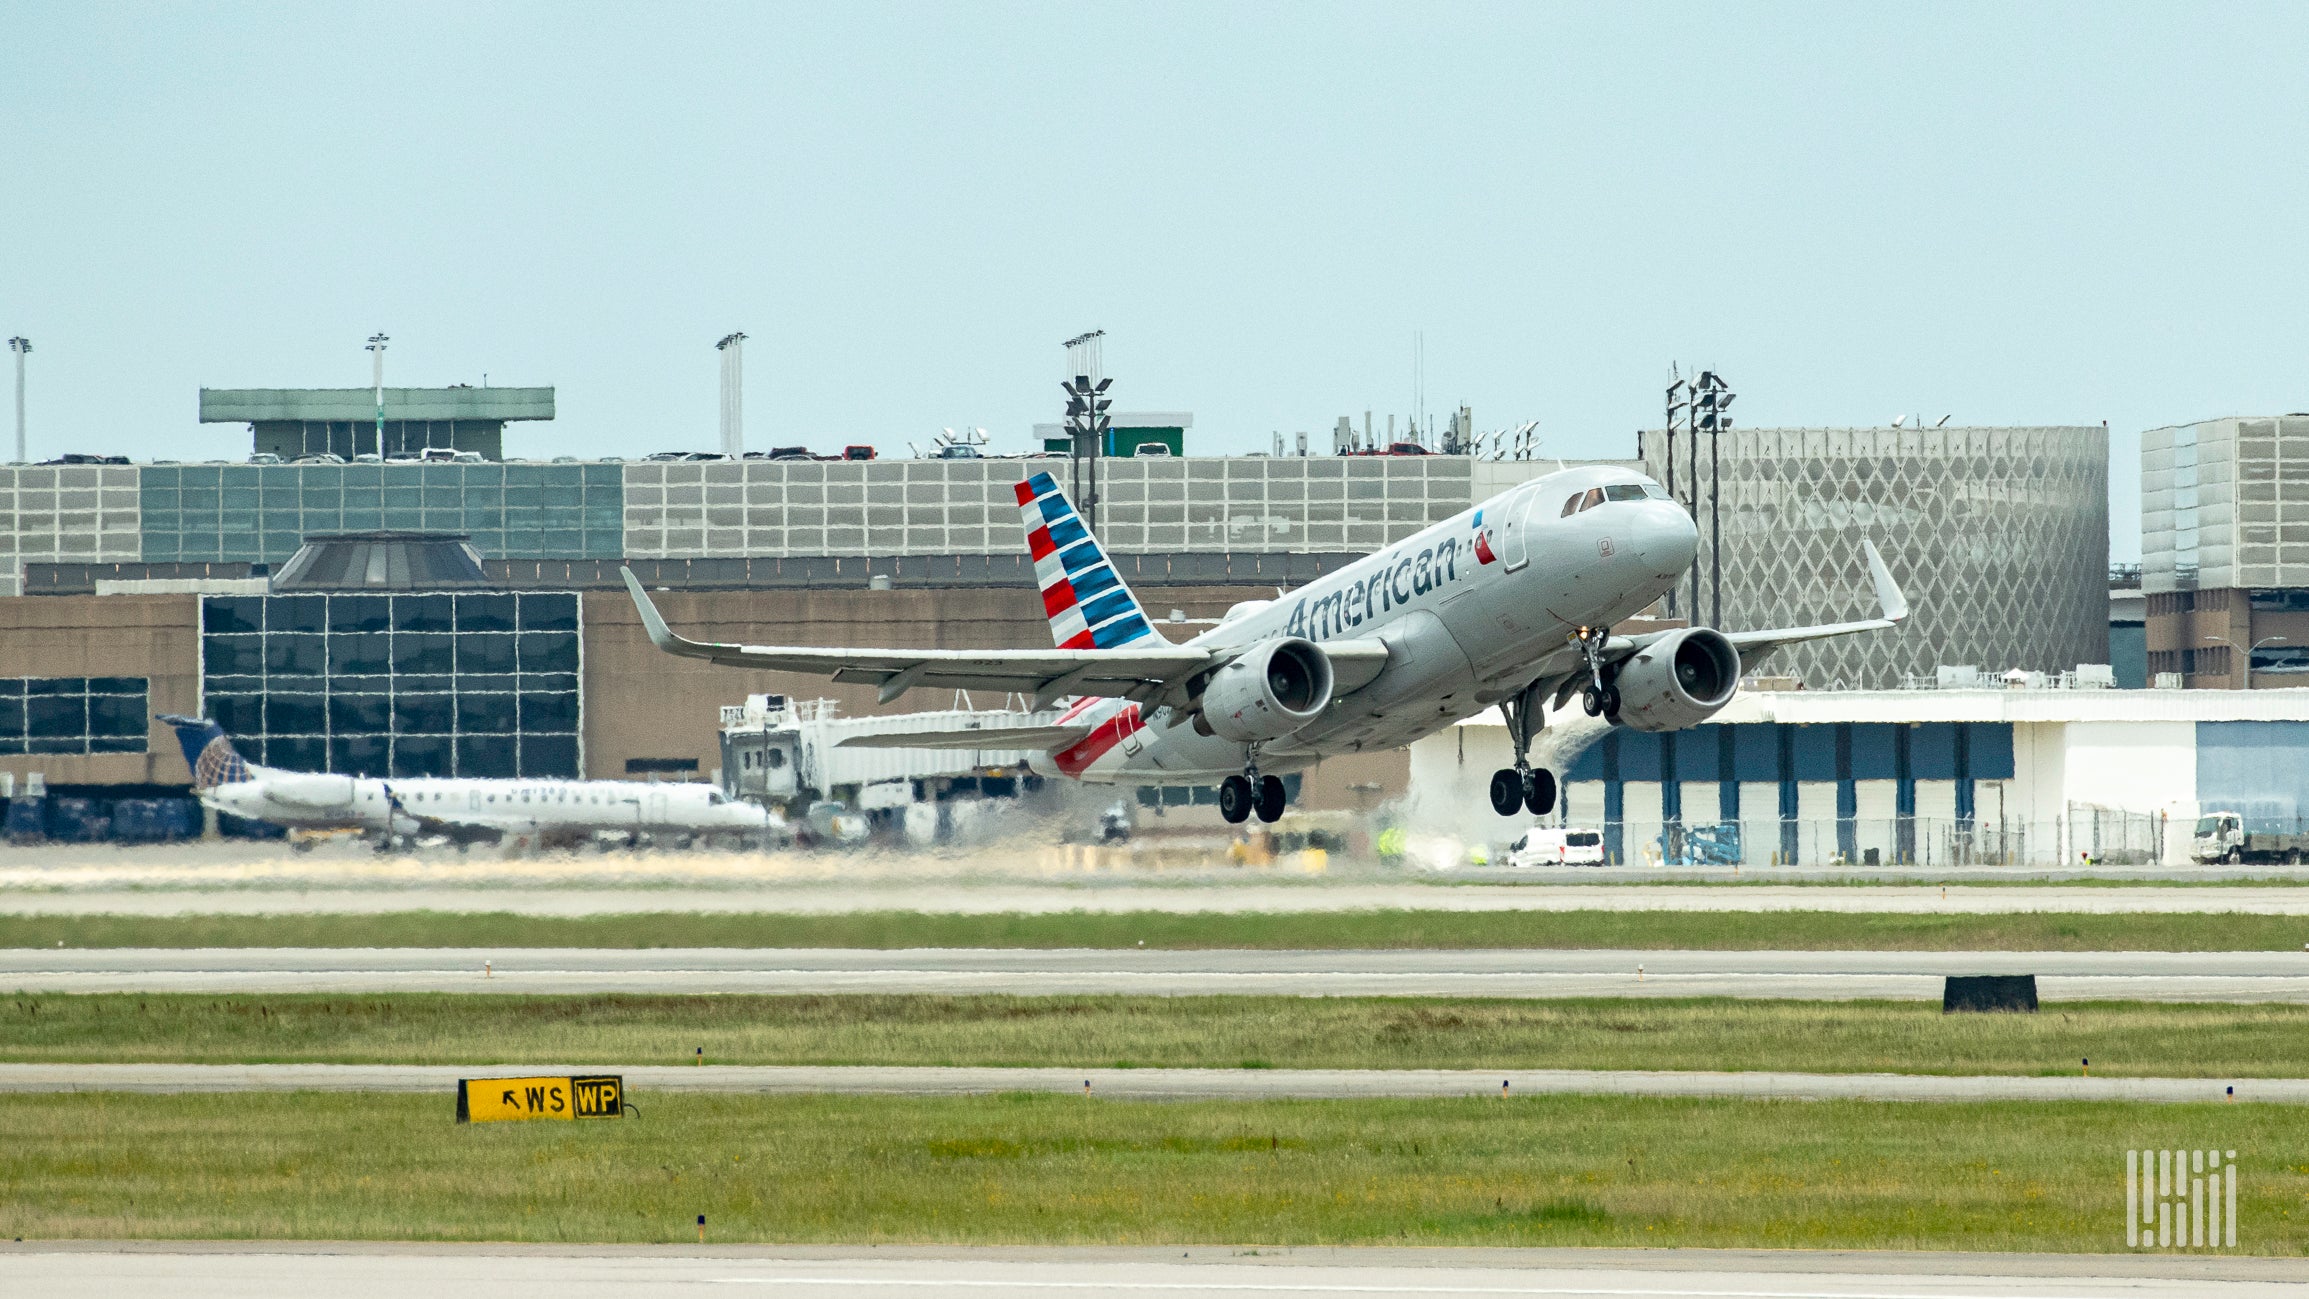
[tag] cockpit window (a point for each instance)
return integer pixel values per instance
(1593, 498)
(1571, 506)
(1655, 491)
(1624, 492)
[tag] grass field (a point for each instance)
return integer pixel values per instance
(1784, 930)
(2121, 1038)
(1555, 1170)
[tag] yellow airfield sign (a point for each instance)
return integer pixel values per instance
(499, 1100)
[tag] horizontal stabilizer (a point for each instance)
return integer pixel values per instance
(984, 737)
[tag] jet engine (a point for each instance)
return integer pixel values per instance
(1268, 691)
(1679, 680)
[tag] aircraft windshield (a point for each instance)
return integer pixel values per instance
(1595, 496)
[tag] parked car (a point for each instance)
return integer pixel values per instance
(319, 458)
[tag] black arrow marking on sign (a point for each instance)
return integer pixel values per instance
(508, 1100)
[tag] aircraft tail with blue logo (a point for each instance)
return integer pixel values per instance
(1088, 605)
(209, 752)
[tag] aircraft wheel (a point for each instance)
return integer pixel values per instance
(1506, 791)
(1270, 799)
(1235, 800)
(1611, 702)
(1591, 701)
(1541, 799)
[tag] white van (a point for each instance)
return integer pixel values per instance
(1547, 845)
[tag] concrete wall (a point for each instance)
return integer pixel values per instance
(156, 637)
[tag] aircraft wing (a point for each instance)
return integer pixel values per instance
(1754, 646)
(1140, 672)
(987, 737)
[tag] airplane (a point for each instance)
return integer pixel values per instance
(467, 811)
(1508, 604)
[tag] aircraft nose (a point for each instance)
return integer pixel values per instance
(1667, 539)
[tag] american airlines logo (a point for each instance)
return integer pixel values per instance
(1413, 574)
(2181, 1199)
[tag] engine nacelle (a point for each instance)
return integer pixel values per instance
(317, 790)
(1271, 690)
(1679, 680)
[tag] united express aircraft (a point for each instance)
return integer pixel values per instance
(1508, 605)
(465, 810)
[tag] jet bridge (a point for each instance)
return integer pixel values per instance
(781, 750)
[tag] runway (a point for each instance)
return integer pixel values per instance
(268, 1270)
(2061, 976)
(1154, 1084)
(65, 892)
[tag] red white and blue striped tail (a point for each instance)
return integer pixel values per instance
(1088, 605)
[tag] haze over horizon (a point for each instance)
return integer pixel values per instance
(2058, 214)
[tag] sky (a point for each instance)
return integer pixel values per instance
(2002, 214)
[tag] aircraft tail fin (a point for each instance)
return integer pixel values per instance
(208, 751)
(1088, 605)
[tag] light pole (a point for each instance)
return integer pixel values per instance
(2265, 640)
(732, 348)
(1679, 409)
(1086, 418)
(1711, 405)
(20, 345)
(377, 380)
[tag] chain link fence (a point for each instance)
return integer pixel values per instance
(2087, 835)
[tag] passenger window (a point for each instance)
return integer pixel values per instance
(1593, 498)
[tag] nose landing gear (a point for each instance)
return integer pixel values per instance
(1599, 698)
(1523, 786)
(1239, 796)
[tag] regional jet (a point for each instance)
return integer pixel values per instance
(465, 810)
(1510, 604)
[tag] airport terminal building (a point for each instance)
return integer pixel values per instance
(172, 583)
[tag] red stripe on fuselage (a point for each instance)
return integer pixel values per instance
(1077, 757)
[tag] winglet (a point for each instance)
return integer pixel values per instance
(652, 621)
(1887, 591)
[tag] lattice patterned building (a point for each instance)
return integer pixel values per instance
(1999, 537)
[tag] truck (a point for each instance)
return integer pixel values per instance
(2225, 837)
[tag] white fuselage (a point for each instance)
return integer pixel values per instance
(302, 800)
(1469, 613)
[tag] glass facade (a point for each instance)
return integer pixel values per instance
(961, 507)
(72, 714)
(465, 684)
(262, 513)
(66, 514)
(2225, 503)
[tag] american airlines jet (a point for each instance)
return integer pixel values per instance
(466, 810)
(1510, 604)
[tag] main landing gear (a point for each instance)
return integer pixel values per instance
(1523, 786)
(1239, 796)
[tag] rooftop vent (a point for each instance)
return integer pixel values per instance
(383, 561)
